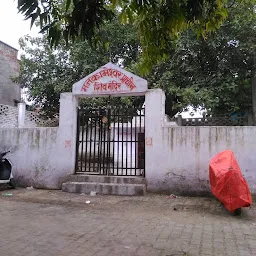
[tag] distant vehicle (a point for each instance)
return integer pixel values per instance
(6, 176)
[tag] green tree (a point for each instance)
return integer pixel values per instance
(47, 72)
(213, 72)
(156, 20)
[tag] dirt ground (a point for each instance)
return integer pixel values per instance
(43, 222)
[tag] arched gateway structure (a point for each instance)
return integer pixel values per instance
(110, 80)
(110, 139)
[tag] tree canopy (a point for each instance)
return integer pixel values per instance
(47, 72)
(157, 21)
(213, 72)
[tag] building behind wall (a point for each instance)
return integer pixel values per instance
(10, 93)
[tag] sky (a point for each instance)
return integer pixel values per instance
(12, 25)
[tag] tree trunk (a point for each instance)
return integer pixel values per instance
(254, 89)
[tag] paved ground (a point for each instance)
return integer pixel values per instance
(54, 223)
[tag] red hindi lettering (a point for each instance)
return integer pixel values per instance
(111, 86)
(130, 84)
(97, 86)
(124, 79)
(84, 87)
(117, 86)
(114, 86)
(100, 87)
(104, 87)
(86, 84)
(116, 73)
(104, 72)
(95, 77)
(128, 81)
(109, 72)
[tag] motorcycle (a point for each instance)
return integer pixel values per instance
(6, 176)
(227, 182)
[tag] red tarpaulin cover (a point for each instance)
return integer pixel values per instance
(227, 182)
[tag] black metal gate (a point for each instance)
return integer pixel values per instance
(111, 141)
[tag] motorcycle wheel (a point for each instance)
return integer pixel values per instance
(238, 211)
(12, 183)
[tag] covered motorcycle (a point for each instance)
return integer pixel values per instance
(227, 182)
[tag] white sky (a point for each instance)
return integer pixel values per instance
(12, 25)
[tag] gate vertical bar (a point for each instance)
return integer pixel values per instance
(114, 136)
(94, 139)
(86, 123)
(131, 143)
(126, 142)
(77, 141)
(136, 143)
(99, 141)
(144, 142)
(118, 139)
(90, 140)
(140, 142)
(108, 139)
(104, 145)
(81, 116)
(122, 118)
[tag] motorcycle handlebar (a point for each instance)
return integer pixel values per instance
(4, 153)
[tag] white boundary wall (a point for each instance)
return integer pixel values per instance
(177, 158)
(44, 157)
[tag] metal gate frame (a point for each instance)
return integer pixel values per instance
(104, 134)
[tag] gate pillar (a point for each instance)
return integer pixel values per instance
(68, 123)
(154, 117)
(68, 109)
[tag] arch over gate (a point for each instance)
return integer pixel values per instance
(110, 139)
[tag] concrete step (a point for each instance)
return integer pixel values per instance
(105, 188)
(111, 171)
(107, 179)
